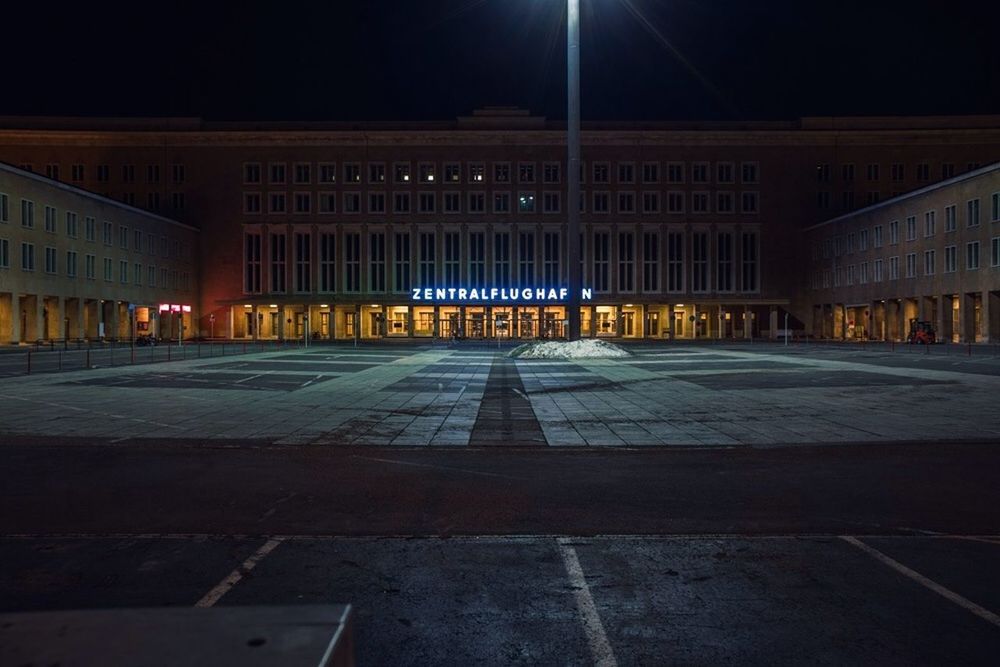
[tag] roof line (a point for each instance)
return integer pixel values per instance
(4, 166)
(975, 173)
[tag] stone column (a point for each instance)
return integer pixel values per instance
(40, 332)
(773, 323)
(409, 321)
(967, 318)
(15, 318)
(63, 326)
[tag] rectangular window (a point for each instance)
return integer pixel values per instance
(650, 172)
(4, 254)
(123, 237)
(477, 172)
(501, 259)
(90, 265)
(426, 172)
(995, 217)
(602, 260)
(352, 172)
(749, 253)
(401, 202)
(526, 172)
(327, 172)
(107, 232)
(650, 202)
(923, 172)
(177, 171)
(303, 173)
(427, 260)
(137, 274)
(452, 202)
(27, 213)
(602, 172)
(749, 171)
(675, 172)
(950, 259)
(152, 173)
(551, 202)
(626, 202)
(911, 228)
(626, 262)
(675, 202)
(50, 260)
(276, 173)
(427, 202)
(401, 173)
(911, 265)
(995, 251)
(128, 173)
(972, 213)
(71, 224)
(699, 172)
(477, 202)
(251, 203)
(863, 273)
(748, 202)
(877, 236)
(872, 172)
(50, 219)
(352, 202)
(327, 262)
(452, 259)
(894, 267)
(401, 258)
(251, 172)
(650, 262)
(972, 256)
(376, 172)
(376, 261)
(725, 172)
(724, 267)
(303, 262)
(477, 259)
(950, 218)
(352, 262)
(526, 259)
(4, 208)
(930, 223)
(303, 202)
(327, 202)
(602, 202)
(77, 172)
(150, 275)
(551, 172)
(877, 270)
(929, 262)
(526, 202)
(123, 271)
(109, 270)
(699, 262)
(376, 202)
(675, 262)
(452, 172)
(278, 254)
(894, 232)
(551, 274)
(276, 202)
(699, 202)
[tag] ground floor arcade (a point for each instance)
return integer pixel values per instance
(29, 318)
(530, 321)
(969, 317)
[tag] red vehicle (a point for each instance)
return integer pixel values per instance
(921, 333)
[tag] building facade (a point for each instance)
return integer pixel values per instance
(930, 255)
(336, 230)
(74, 265)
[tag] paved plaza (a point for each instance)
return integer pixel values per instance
(663, 395)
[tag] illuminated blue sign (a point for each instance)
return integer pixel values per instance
(495, 294)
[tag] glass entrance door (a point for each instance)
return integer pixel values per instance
(653, 324)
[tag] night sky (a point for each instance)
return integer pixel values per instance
(437, 59)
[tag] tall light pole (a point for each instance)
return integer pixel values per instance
(573, 165)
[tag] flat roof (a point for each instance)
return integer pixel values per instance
(72, 189)
(967, 176)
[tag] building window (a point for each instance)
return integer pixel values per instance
(748, 202)
(303, 173)
(894, 267)
(90, 229)
(251, 172)
(376, 202)
(526, 172)
(823, 173)
(401, 202)
(626, 172)
(602, 202)
(427, 201)
(551, 172)
(602, 259)
(675, 172)
(150, 273)
(995, 217)
(972, 213)
(877, 270)
(950, 218)
(376, 261)
(276, 202)
(109, 271)
(303, 262)
(4, 254)
(352, 172)
(50, 219)
(352, 203)
(327, 202)
(452, 259)
(276, 173)
(526, 259)
(551, 274)
(930, 223)
(327, 172)
(452, 202)
(947, 170)
(894, 232)
(872, 172)
(650, 262)
(749, 172)
(51, 265)
(526, 202)
(501, 259)
(123, 237)
(626, 202)
(477, 202)
(929, 262)
(749, 253)
(327, 262)
(897, 171)
(699, 261)
(675, 202)
(551, 202)
(426, 172)
(972, 256)
(650, 202)
(923, 172)
(152, 173)
(725, 172)
(650, 172)
(477, 172)
(27, 256)
(278, 262)
(995, 251)
(452, 172)
(911, 228)
(352, 262)
(501, 202)
(107, 231)
(699, 202)
(877, 236)
(477, 259)
(950, 259)
(675, 261)
(724, 267)
(626, 262)
(602, 172)
(123, 272)
(401, 272)
(427, 260)
(699, 172)
(251, 276)
(303, 202)
(376, 173)
(27, 214)
(911, 265)
(178, 173)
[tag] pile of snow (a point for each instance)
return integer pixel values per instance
(589, 348)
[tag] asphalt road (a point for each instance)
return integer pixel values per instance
(867, 554)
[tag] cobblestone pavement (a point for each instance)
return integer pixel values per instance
(664, 395)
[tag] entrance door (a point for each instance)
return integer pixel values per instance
(678, 323)
(324, 325)
(526, 327)
(553, 326)
(628, 323)
(275, 323)
(350, 324)
(376, 324)
(449, 325)
(653, 324)
(249, 324)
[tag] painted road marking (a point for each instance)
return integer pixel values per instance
(597, 639)
(965, 603)
(234, 577)
(435, 467)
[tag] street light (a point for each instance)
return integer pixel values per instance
(573, 164)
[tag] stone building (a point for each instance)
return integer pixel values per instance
(930, 255)
(76, 265)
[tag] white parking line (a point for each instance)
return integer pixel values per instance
(597, 639)
(962, 602)
(234, 577)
